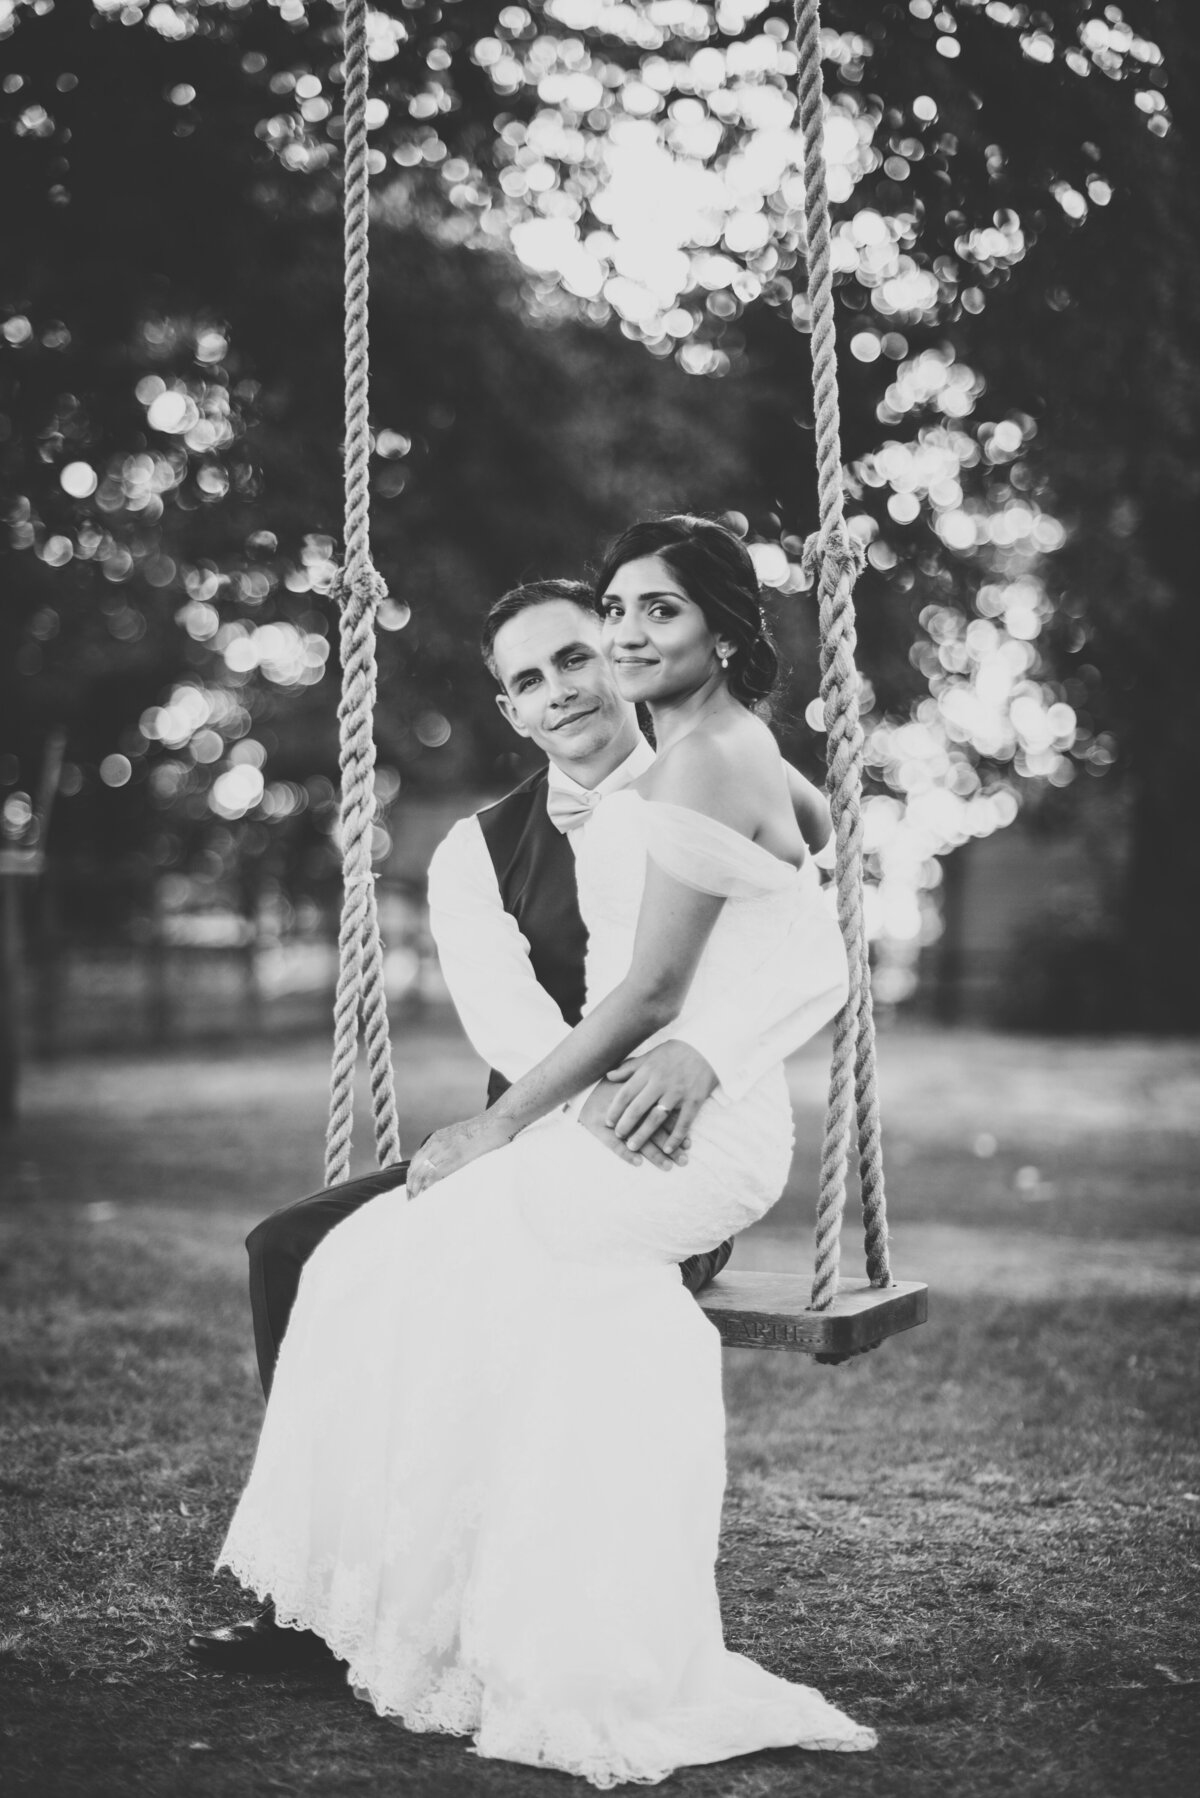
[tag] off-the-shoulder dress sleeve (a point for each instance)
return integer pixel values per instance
(744, 1028)
(703, 853)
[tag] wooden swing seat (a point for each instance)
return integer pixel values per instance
(770, 1311)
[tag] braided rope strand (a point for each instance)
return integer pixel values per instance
(355, 680)
(360, 971)
(359, 589)
(378, 1038)
(839, 689)
(357, 449)
(870, 1140)
(835, 560)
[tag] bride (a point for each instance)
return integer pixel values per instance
(491, 1470)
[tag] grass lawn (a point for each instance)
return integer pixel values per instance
(981, 1538)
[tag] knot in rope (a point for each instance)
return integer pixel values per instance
(834, 548)
(360, 588)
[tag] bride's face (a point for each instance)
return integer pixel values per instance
(658, 640)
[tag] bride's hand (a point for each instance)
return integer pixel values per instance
(659, 1095)
(449, 1149)
(592, 1116)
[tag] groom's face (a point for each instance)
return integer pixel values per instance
(558, 686)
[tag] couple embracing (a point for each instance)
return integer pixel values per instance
(491, 1469)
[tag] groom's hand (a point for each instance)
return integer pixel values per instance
(659, 1095)
(592, 1117)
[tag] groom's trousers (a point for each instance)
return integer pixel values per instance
(283, 1242)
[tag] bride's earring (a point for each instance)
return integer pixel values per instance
(723, 658)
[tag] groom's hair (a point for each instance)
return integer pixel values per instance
(520, 599)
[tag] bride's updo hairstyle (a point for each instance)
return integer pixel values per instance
(715, 571)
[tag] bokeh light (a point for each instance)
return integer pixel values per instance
(236, 791)
(116, 770)
(79, 479)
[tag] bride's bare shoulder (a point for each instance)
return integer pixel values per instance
(729, 772)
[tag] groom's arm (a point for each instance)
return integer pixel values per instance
(811, 808)
(510, 1020)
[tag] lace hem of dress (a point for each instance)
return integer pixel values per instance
(451, 1700)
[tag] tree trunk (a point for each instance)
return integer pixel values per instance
(10, 995)
(1162, 642)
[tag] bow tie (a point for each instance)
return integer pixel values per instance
(567, 810)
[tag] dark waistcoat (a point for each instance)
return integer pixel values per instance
(535, 872)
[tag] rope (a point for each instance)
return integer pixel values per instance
(833, 560)
(358, 589)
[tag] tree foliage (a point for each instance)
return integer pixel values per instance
(555, 184)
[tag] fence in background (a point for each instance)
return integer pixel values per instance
(87, 997)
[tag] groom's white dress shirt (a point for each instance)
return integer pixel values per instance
(513, 1023)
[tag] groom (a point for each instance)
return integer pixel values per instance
(504, 913)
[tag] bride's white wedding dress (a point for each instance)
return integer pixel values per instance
(492, 1465)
